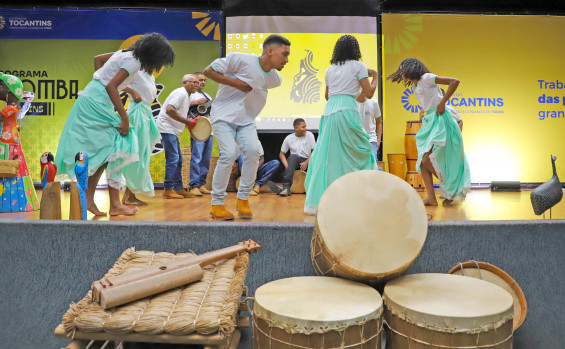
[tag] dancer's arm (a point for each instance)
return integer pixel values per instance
(379, 123)
(453, 84)
(100, 60)
(327, 93)
(113, 93)
(136, 97)
(369, 87)
(210, 73)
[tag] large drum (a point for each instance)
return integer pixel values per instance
(317, 312)
(397, 164)
(425, 311)
(200, 129)
(370, 226)
(412, 176)
(497, 276)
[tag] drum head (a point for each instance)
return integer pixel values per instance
(450, 302)
(372, 222)
(201, 130)
(499, 277)
(316, 302)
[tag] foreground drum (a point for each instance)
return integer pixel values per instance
(316, 312)
(497, 276)
(425, 311)
(200, 129)
(370, 226)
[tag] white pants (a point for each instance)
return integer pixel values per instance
(229, 137)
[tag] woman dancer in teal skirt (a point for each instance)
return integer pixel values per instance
(343, 145)
(439, 141)
(94, 128)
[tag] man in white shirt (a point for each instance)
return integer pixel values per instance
(244, 80)
(371, 117)
(301, 144)
(201, 152)
(171, 122)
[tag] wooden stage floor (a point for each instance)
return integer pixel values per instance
(481, 204)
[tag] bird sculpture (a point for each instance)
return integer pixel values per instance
(81, 172)
(48, 168)
(548, 194)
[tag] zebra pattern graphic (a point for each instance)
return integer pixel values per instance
(306, 86)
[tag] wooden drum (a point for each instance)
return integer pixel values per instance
(317, 312)
(412, 176)
(397, 164)
(426, 311)
(370, 226)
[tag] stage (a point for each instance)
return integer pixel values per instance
(480, 205)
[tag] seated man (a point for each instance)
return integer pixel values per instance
(264, 171)
(301, 144)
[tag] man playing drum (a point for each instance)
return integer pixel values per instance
(244, 81)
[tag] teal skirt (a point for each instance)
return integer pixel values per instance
(442, 135)
(343, 146)
(92, 128)
(137, 175)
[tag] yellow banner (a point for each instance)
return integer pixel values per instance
(512, 91)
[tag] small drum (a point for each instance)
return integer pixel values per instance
(499, 277)
(316, 312)
(200, 129)
(370, 226)
(397, 164)
(412, 176)
(426, 311)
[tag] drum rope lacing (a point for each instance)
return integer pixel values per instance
(340, 328)
(476, 346)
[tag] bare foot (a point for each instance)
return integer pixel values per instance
(447, 202)
(430, 202)
(123, 211)
(134, 201)
(93, 209)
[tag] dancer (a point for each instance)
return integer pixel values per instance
(439, 140)
(244, 81)
(143, 92)
(372, 123)
(172, 120)
(94, 128)
(343, 145)
(201, 152)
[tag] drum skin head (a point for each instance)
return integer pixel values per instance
(201, 130)
(372, 222)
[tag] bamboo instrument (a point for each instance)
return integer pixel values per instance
(117, 290)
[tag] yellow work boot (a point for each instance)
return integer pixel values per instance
(171, 194)
(185, 193)
(203, 190)
(256, 189)
(243, 209)
(195, 192)
(220, 212)
(252, 193)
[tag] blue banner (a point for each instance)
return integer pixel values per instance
(115, 24)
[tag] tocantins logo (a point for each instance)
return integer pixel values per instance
(2, 22)
(205, 26)
(403, 37)
(306, 86)
(409, 101)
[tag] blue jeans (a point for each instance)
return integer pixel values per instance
(264, 172)
(200, 161)
(230, 137)
(173, 161)
(375, 150)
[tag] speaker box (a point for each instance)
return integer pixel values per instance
(505, 186)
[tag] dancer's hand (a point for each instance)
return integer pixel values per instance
(440, 109)
(136, 97)
(242, 86)
(124, 127)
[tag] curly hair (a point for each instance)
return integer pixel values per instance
(346, 48)
(153, 52)
(409, 69)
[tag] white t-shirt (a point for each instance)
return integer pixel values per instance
(237, 107)
(343, 79)
(429, 94)
(118, 60)
(144, 85)
(369, 111)
(179, 99)
(301, 146)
